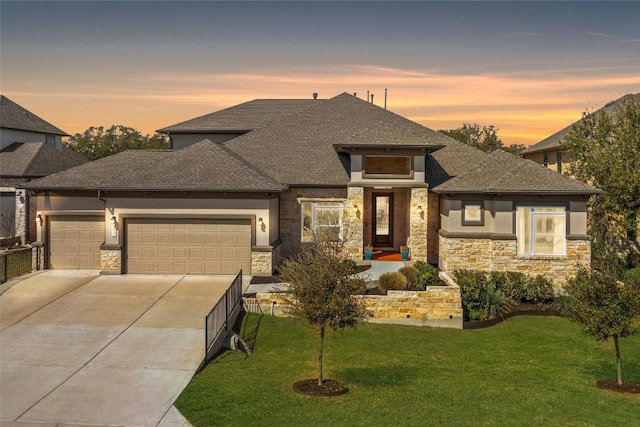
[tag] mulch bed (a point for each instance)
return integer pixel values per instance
(328, 388)
(264, 280)
(522, 310)
(626, 387)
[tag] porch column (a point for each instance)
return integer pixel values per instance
(418, 214)
(353, 222)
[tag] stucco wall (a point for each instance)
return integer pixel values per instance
(9, 136)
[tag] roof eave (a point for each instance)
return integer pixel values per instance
(195, 131)
(349, 148)
(526, 192)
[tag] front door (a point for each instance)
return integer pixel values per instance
(382, 220)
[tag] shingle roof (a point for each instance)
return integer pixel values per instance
(300, 149)
(502, 172)
(36, 159)
(205, 166)
(244, 117)
(16, 117)
(555, 140)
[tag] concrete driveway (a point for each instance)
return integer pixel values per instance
(77, 348)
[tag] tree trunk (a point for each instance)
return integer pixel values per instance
(320, 349)
(618, 360)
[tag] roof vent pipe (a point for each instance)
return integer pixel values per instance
(315, 95)
(372, 98)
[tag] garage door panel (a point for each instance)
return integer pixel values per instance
(188, 246)
(74, 242)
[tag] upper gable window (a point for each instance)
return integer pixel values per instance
(387, 167)
(50, 140)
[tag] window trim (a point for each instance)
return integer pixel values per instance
(465, 220)
(531, 249)
(337, 205)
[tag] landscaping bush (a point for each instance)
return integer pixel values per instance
(349, 264)
(495, 302)
(632, 276)
(410, 274)
(539, 290)
(425, 276)
(392, 281)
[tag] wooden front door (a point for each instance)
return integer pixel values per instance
(382, 220)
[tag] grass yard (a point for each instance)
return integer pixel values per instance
(526, 371)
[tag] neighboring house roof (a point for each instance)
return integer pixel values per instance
(501, 172)
(554, 141)
(300, 150)
(204, 166)
(16, 117)
(244, 117)
(36, 159)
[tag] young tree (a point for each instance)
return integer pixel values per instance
(98, 142)
(605, 306)
(604, 150)
(484, 138)
(322, 290)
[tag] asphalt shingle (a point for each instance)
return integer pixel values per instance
(16, 117)
(36, 159)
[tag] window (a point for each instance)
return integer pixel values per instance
(472, 213)
(50, 140)
(541, 231)
(321, 221)
(545, 159)
(559, 161)
(387, 167)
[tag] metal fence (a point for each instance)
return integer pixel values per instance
(15, 262)
(218, 318)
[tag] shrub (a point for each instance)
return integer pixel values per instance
(495, 302)
(392, 281)
(426, 275)
(539, 291)
(514, 286)
(410, 274)
(472, 284)
(349, 264)
(632, 277)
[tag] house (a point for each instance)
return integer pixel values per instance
(548, 152)
(245, 187)
(31, 148)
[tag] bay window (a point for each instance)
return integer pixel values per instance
(541, 231)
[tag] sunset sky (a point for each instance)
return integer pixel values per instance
(529, 68)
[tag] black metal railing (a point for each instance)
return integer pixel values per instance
(218, 318)
(15, 262)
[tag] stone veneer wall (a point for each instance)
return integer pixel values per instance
(111, 261)
(439, 306)
(433, 223)
(353, 222)
(418, 221)
(500, 255)
(264, 262)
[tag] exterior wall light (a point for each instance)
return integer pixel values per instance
(260, 221)
(420, 209)
(355, 209)
(113, 220)
(39, 220)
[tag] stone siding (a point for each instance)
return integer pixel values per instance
(111, 261)
(261, 263)
(500, 255)
(353, 221)
(433, 223)
(418, 221)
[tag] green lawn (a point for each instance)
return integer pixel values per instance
(527, 371)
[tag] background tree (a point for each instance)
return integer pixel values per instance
(604, 151)
(322, 290)
(605, 306)
(484, 138)
(98, 142)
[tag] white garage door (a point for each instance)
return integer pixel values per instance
(173, 246)
(74, 242)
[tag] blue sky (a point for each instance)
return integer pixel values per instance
(530, 68)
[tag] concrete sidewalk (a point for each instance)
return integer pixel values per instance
(83, 349)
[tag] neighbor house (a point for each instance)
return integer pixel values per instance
(548, 152)
(31, 148)
(245, 187)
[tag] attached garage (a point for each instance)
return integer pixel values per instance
(74, 242)
(188, 246)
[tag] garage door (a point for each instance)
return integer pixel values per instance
(167, 246)
(74, 242)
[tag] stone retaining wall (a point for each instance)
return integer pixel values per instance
(437, 306)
